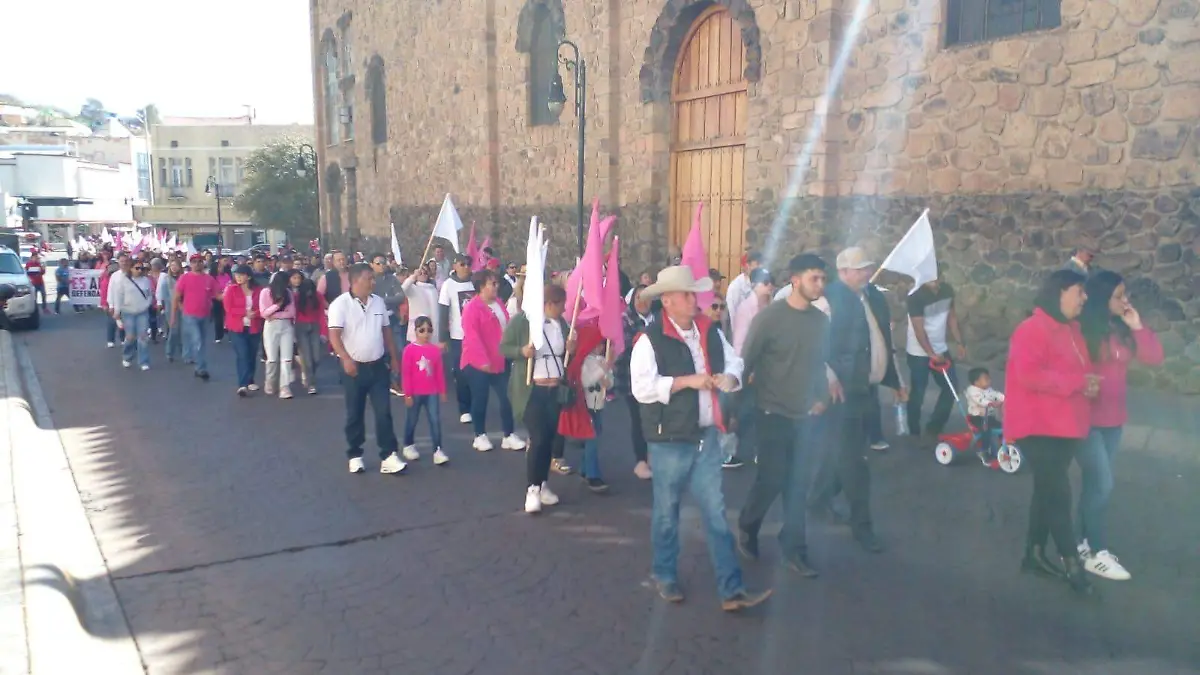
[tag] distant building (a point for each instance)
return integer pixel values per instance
(197, 159)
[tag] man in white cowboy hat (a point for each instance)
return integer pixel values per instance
(675, 368)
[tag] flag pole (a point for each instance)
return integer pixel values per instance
(574, 318)
(883, 264)
(427, 245)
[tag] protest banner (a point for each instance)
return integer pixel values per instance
(84, 288)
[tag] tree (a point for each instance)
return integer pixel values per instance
(274, 194)
(93, 114)
(149, 115)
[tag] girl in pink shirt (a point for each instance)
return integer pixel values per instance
(483, 365)
(278, 304)
(1115, 338)
(424, 387)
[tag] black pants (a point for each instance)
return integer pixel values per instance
(920, 372)
(153, 322)
(371, 383)
(874, 417)
(1050, 507)
(843, 467)
(635, 428)
(218, 317)
(782, 469)
(541, 419)
(60, 293)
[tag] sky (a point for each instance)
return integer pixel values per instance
(188, 58)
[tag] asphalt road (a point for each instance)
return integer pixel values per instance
(240, 544)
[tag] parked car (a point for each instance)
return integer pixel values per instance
(22, 309)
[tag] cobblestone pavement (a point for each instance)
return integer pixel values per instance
(240, 544)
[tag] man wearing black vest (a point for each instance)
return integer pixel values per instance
(675, 369)
(860, 358)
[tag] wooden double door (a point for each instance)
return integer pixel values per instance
(708, 140)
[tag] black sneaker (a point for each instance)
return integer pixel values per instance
(596, 485)
(668, 590)
(747, 545)
(733, 462)
(202, 374)
(799, 565)
(744, 599)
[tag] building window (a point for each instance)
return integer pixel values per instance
(178, 177)
(187, 163)
(543, 62)
(377, 95)
(162, 172)
(227, 176)
(241, 171)
(174, 144)
(143, 176)
(224, 144)
(978, 20)
(333, 95)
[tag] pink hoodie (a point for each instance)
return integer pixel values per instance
(481, 337)
(1108, 408)
(271, 311)
(422, 379)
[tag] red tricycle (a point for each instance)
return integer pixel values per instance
(952, 446)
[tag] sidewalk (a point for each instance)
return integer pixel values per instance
(58, 610)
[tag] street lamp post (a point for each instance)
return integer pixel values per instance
(556, 101)
(212, 187)
(303, 160)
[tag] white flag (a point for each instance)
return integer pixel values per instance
(914, 255)
(533, 297)
(448, 223)
(191, 250)
(106, 237)
(396, 246)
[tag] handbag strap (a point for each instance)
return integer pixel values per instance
(557, 360)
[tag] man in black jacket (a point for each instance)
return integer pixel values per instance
(860, 359)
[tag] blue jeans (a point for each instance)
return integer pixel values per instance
(174, 341)
(783, 469)
(433, 409)
(1095, 457)
(697, 468)
(136, 340)
(591, 449)
(480, 382)
(111, 331)
(245, 350)
(194, 338)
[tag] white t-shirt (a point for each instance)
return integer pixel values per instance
(455, 295)
(362, 325)
(501, 316)
(934, 307)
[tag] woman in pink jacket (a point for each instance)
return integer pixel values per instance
(244, 324)
(483, 323)
(1115, 338)
(1048, 414)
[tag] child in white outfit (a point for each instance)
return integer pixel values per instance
(982, 404)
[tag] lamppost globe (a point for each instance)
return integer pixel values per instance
(558, 97)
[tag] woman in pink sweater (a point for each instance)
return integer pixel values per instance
(1115, 338)
(483, 322)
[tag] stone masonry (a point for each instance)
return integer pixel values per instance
(1023, 147)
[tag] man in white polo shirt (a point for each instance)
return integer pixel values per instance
(360, 335)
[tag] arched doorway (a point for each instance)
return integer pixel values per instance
(708, 137)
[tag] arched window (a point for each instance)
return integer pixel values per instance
(543, 61)
(333, 96)
(377, 97)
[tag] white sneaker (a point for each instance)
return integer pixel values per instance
(356, 465)
(464, 418)
(1104, 564)
(285, 392)
(145, 368)
(111, 345)
(410, 453)
(548, 498)
(880, 445)
(533, 499)
(512, 442)
(482, 443)
(393, 464)
(440, 457)
(126, 364)
(252, 387)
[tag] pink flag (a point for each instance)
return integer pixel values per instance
(590, 273)
(117, 243)
(480, 260)
(611, 325)
(138, 247)
(472, 249)
(695, 257)
(574, 279)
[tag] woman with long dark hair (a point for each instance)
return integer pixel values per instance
(310, 311)
(220, 270)
(279, 336)
(1115, 338)
(1048, 414)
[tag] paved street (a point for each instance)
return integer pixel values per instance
(240, 544)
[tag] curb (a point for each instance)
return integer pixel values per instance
(73, 621)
